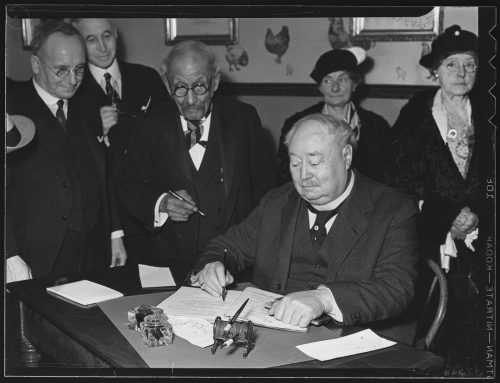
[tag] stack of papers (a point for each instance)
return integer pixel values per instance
(84, 292)
(362, 341)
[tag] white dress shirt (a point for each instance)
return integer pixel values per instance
(196, 152)
(114, 71)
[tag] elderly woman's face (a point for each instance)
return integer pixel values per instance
(457, 74)
(337, 88)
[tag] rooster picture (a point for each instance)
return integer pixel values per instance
(236, 56)
(277, 43)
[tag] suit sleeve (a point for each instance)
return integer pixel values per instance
(136, 190)
(391, 287)
(263, 174)
(240, 241)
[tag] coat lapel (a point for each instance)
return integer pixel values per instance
(350, 225)
(288, 223)
(46, 125)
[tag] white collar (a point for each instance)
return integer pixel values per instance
(441, 115)
(46, 97)
(332, 205)
(98, 73)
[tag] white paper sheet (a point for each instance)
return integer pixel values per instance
(152, 276)
(85, 292)
(195, 330)
(195, 303)
(362, 341)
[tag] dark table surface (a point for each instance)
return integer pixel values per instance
(92, 329)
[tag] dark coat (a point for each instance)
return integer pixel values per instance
(371, 268)
(40, 192)
(158, 161)
(369, 156)
(139, 84)
(422, 165)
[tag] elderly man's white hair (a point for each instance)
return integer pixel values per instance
(189, 48)
(340, 131)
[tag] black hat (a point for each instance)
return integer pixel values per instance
(452, 40)
(338, 59)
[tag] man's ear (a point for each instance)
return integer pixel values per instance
(347, 155)
(115, 33)
(35, 64)
(216, 80)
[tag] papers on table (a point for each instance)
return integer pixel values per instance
(195, 330)
(85, 292)
(362, 341)
(155, 276)
(193, 302)
(256, 311)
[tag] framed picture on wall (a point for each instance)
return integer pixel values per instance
(422, 28)
(214, 31)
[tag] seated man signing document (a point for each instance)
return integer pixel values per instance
(332, 242)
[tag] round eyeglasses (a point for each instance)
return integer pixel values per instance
(79, 70)
(198, 89)
(454, 66)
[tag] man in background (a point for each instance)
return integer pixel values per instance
(208, 150)
(56, 198)
(120, 92)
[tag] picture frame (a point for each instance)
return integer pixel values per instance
(212, 31)
(422, 28)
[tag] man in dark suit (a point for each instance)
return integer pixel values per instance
(210, 151)
(334, 242)
(119, 91)
(56, 197)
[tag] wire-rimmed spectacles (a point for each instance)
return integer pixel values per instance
(79, 70)
(454, 66)
(198, 88)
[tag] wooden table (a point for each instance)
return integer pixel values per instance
(83, 341)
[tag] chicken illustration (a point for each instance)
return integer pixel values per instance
(236, 56)
(277, 43)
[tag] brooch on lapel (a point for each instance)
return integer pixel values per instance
(144, 108)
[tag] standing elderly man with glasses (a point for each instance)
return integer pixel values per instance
(56, 197)
(208, 152)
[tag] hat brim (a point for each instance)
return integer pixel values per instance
(26, 128)
(427, 60)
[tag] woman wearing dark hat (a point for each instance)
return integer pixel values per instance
(338, 77)
(440, 147)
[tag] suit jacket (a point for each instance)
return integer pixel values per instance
(372, 267)
(140, 84)
(369, 156)
(39, 194)
(158, 161)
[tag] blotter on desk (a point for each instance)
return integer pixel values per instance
(84, 292)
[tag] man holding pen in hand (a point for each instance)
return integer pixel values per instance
(332, 242)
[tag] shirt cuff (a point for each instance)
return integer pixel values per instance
(160, 216)
(335, 313)
(117, 234)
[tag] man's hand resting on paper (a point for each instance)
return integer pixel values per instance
(301, 307)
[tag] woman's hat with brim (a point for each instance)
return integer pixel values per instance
(19, 131)
(452, 40)
(335, 60)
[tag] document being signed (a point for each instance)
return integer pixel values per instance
(196, 303)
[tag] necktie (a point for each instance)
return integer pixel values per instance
(110, 91)
(194, 133)
(318, 230)
(60, 114)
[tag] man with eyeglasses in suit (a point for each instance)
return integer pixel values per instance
(57, 199)
(209, 151)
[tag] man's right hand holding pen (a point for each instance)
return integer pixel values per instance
(213, 278)
(178, 209)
